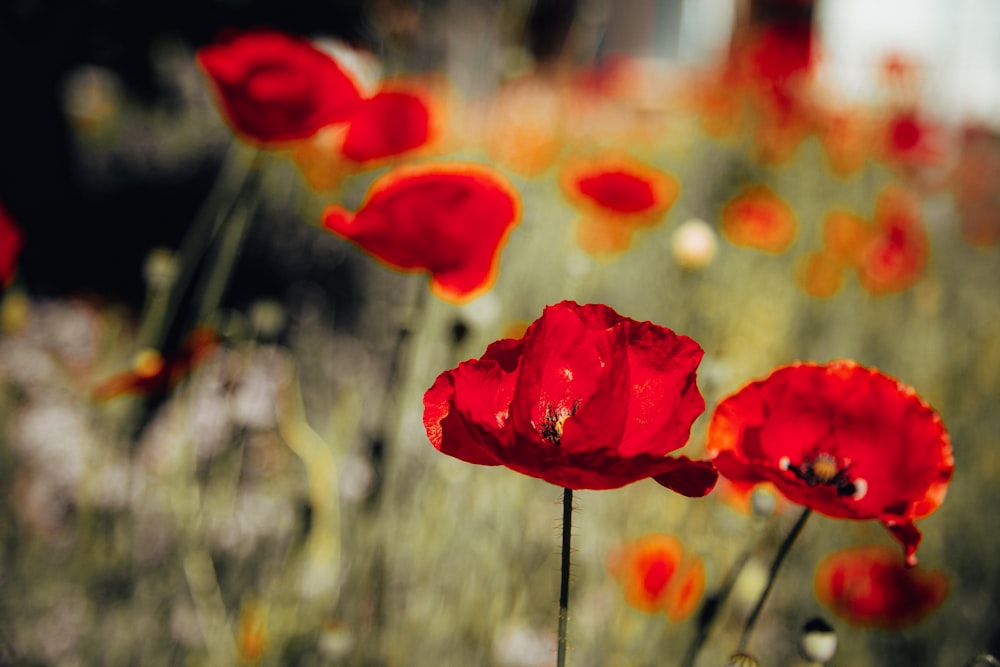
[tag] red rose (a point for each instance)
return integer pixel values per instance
(587, 399)
(448, 219)
(845, 440)
(869, 587)
(274, 87)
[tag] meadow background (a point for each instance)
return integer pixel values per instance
(280, 504)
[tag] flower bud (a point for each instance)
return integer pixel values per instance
(763, 503)
(818, 641)
(267, 317)
(160, 269)
(742, 660)
(694, 244)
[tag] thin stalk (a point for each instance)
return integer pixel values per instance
(710, 609)
(225, 192)
(233, 235)
(779, 558)
(567, 519)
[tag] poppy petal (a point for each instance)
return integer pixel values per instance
(693, 479)
(868, 586)
(450, 220)
(272, 87)
(553, 404)
(842, 439)
(388, 124)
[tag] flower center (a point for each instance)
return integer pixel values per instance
(822, 469)
(552, 427)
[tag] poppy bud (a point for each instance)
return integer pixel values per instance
(160, 269)
(763, 503)
(694, 244)
(818, 641)
(267, 317)
(742, 660)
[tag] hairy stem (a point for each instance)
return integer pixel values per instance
(567, 519)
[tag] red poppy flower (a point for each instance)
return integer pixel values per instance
(897, 250)
(779, 54)
(151, 374)
(657, 576)
(11, 242)
(758, 218)
(617, 195)
(845, 440)
(868, 586)
(587, 399)
(911, 141)
(388, 124)
(274, 87)
(448, 219)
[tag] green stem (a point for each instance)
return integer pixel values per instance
(226, 190)
(710, 609)
(567, 519)
(233, 235)
(779, 558)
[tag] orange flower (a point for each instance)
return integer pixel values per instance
(820, 274)
(617, 196)
(844, 236)
(847, 138)
(896, 253)
(870, 586)
(524, 125)
(657, 576)
(758, 218)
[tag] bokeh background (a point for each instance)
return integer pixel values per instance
(280, 504)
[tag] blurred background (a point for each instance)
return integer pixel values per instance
(265, 494)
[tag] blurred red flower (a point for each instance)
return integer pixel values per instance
(273, 87)
(896, 251)
(842, 439)
(657, 576)
(587, 399)
(151, 374)
(910, 141)
(975, 185)
(11, 242)
(617, 196)
(448, 219)
(758, 218)
(868, 586)
(388, 124)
